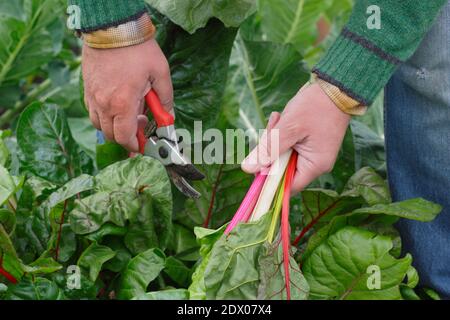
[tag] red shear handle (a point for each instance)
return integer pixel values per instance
(161, 116)
(142, 140)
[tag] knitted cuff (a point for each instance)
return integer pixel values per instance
(124, 35)
(357, 67)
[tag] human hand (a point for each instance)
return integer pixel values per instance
(312, 125)
(116, 82)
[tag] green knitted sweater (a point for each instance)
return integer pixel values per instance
(100, 14)
(363, 59)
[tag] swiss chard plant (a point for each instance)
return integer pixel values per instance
(80, 221)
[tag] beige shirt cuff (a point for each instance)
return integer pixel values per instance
(124, 35)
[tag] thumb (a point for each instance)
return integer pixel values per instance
(272, 143)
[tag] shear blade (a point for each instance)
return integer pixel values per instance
(183, 185)
(187, 171)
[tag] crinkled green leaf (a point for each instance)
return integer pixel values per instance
(177, 271)
(93, 211)
(107, 229)
(140, 271)
(369, 185)
(194, 14)
(47, 147)
(338, 268)
(93, 259)
(141, 234)
(34, 288)
(149, 180)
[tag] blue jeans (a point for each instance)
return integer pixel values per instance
(417, 111)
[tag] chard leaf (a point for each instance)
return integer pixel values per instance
(233, 268)
(122, 257)
(46, 145)
(289, 22)
(148, 180)
(169, 294)
(8, 220)
(199, 67)
(42, 266)
(272, 285)
(194, 14)
(178, 272)
(26, 42)
(140, 271)
(369, 185)
(107, 229)
(338, 268)
(206, 238)
(70, 189)
(93, 259)
(141, 234)
(90, 213)
(414, 209)
(34, 288)
(7, 185)
(183, 243)
(4, 152)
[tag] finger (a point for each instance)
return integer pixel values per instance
(142, 121)
(93, 116)
(107, 126)
(259, 156)
(125, 129)
(273, 143)
(307, 171)
(162, 84)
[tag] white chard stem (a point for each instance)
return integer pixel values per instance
(269, 190)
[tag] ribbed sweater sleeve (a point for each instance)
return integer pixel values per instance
(363, 59)
(100, 14)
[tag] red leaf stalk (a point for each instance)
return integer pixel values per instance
(8, 275)
(285, 230)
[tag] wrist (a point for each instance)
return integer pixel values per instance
(127, 34)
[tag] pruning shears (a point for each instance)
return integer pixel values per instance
(159, 141)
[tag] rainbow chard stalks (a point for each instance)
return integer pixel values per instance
(285, 229)
(244, 261)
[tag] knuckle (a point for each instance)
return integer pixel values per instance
(120, 100)
(101, 98)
